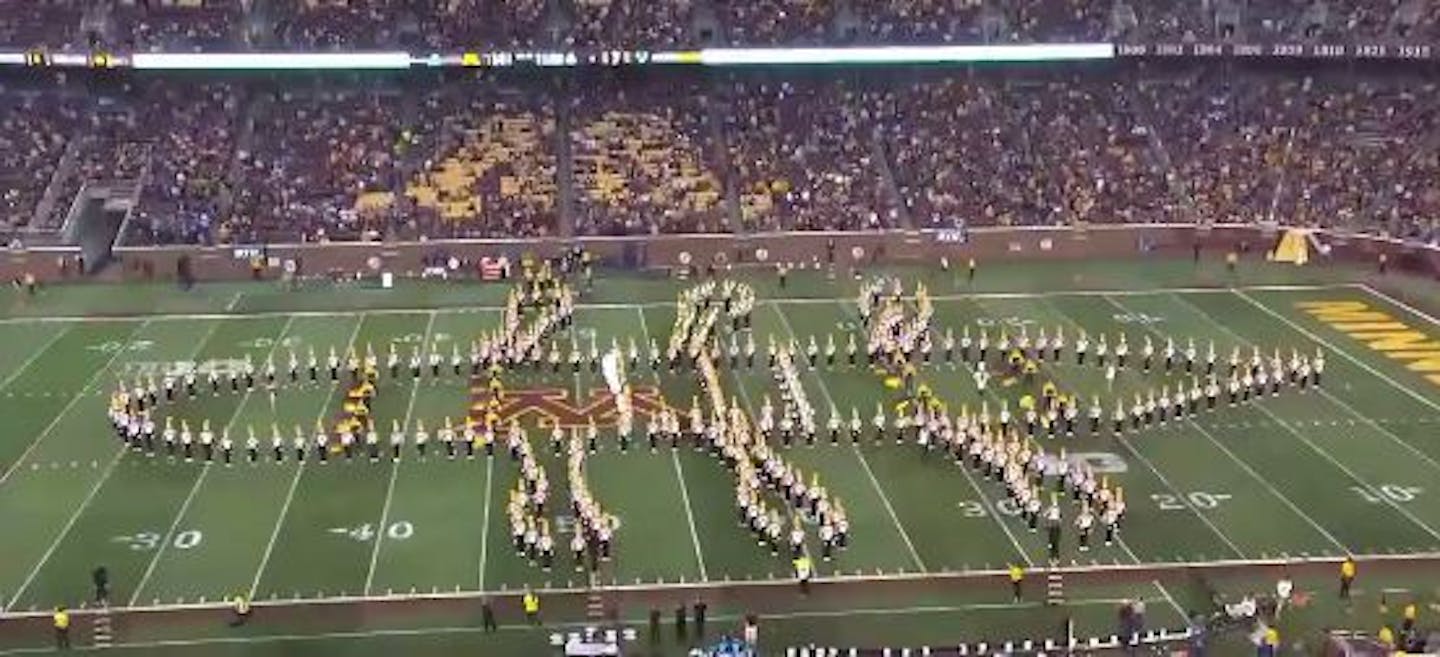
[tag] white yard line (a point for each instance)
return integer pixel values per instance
(1319, 340)
(1301, 436)
(1405, 444)
(295, 480)
(1413, 310)
(170, 532)
(670, 304)
(185, 507)
(1171, 599)
(80, 394)
(1274, 491)
(1350, 473)
(109, 470)
(860, 454)
(679, 471)
(1251, 471)
(25, 365)
(262, 639)
(1347, 356)
(995, 515)
(395, 467)
(990, 508)
(64, 531)
(275, 531)
(485, 529)
(1165, 481)
(1077, 570)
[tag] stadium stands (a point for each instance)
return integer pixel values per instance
(191, 161)
(752, 152)
(41, 23)
(34, 131)
(332, 24)
(178, 25)
(487, 168)
(644, 163)
(805, 157)
(590, 154)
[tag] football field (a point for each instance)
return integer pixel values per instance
(1350, 468)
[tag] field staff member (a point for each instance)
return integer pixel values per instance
(241, 606)
(101, 578)
(487, 616)
(1017, 579)
(62, 629)
(1347, 577)
(803, 570)
(531, 603)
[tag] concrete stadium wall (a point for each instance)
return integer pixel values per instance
(668, 251)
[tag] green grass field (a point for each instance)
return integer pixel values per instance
(1348, 469)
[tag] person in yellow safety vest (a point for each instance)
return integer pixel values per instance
(1347, 577)
(1408, 619)
(62, 629)
(803, 570)
(1017, 577)
(1270, 645)
(1386, 637)
(532, 607)
(241, 606)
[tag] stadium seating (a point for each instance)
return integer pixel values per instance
(489, 173)
(754, 151)
(642, 164)
(805, 158)
(489, 24)
(41, 23)
(178, 25)
(34, 132)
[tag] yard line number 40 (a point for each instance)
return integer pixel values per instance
(396, 531)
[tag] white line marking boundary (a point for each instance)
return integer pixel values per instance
(395, 467)
(859, 453)
(194, 490)
(665, 304)
(295, 480)
(679, 471)
(934, 575)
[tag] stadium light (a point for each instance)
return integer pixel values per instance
(1038, 52)
(273, 61)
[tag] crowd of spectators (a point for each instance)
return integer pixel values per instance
(624, 154)
(187, 189)
(486, 167)
(113, 146)
(768, 22)
(179, 25)
(34, 131)
(314, 154)
(805, 157)
(477, 24)
(922, 21)
(51, 24)
(643, 25)
(474, 24)
(337, 24)
(645, 160)
(954, 145)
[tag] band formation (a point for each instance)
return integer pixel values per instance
(1023, 450)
